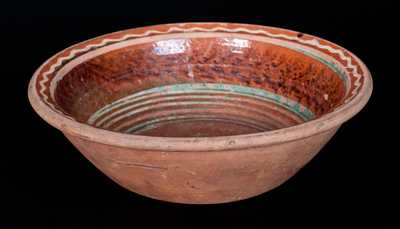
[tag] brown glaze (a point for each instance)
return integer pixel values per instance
(200, 112)
(116, 74)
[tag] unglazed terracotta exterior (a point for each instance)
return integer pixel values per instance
(200, 112)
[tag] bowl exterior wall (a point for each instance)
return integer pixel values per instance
(202, 177)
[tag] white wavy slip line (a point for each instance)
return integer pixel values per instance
(313, 42)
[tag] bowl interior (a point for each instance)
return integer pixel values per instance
(199, 86)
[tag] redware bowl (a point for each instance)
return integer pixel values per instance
(200, 112)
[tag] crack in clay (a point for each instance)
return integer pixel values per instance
(134, 164)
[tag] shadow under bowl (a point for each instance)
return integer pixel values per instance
(200, 112)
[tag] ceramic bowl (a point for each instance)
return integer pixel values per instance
(200, 112)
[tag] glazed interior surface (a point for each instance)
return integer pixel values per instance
(196, 87)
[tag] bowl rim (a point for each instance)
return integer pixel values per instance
(326, 122)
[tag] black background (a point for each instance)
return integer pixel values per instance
(46, 182)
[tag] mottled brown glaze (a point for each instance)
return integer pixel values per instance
(105, 78)
(200, 112)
